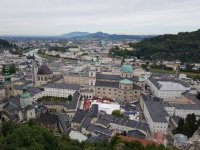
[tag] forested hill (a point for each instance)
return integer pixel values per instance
(4, 44)
(184, 46)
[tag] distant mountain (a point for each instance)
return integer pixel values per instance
(81, 36)
(75, 34)
(97, 35)
(106, 36)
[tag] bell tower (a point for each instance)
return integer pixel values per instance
(92, 77)
(34, 70)
(9, 90)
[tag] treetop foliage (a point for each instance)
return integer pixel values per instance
(31, 136)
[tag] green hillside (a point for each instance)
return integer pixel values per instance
(5, 44)
(12, 48)
(184, 46)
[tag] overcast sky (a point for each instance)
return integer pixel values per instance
(56, 17)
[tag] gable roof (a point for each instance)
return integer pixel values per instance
(44, 70)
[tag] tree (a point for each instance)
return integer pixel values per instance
(187, 126)
(40, 51)
(117, 113)
(12, 69)
(183, 47)
(180, 125)
(198, 96)
(144, 66)
(8, 127)
(32, 136)
(70, 97)
(192, 124)
(27, 136)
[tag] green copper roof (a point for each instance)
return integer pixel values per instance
(125, 81)
(127, 69)
(7, 75)
(25, 95)
(141, 79)
(92, 63)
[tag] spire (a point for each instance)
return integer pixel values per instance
(34, 56)
(24, 89)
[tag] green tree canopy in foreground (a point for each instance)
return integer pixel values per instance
(25, 136)
(31, 136)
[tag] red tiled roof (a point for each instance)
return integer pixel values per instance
(142, 141)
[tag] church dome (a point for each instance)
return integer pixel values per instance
(125, 81)
(127, 69)
(25, 95)
(44, 70)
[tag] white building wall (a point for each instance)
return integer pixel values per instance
(170, 110)
(38, 95)
(30, 114)
(168, 89)
(155, 126)
(183, 113)
(53, 92)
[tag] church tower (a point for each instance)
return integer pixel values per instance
(25, 98)
(34, 70)
(92, 74)
(9, 90)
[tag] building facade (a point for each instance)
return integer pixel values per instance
(60, 90)
(125, 86)
(120, 87)
(167, 87)
(155, 114)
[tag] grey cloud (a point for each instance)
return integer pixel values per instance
(53, 17)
